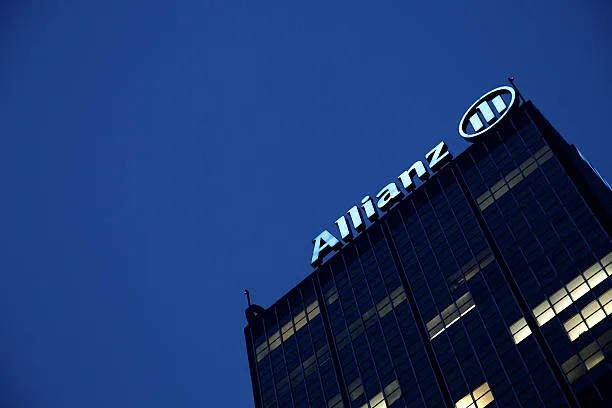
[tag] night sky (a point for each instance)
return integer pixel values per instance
(157, 158)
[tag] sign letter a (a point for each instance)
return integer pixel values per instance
(324, 243)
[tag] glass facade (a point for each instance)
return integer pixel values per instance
(490, 285)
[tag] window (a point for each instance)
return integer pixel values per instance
(331, 295)
(591, 355)
(561, 299)
(479, 398)
(335, 402)
(390, 394)
(355, 389)
(520, 330)
(513, 178)
(589, 316)
(288, 330)
(450, 315)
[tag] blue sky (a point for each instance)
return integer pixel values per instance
(159, 157)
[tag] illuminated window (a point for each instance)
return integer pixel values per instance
(335, 402)
(355, 389)
(520, 330)
(300, 320)
(479, 398)
(561, 299)
(397, 296)
(388, 396)
(591, 355)
(589, 316)
(274, 341)
(261, 351)
(331, 295)
(392, 392)
(312, 310)
(309, 365)
(382, 308)
(514, 177)
(288, 330)
(470, 269)
(450, 315)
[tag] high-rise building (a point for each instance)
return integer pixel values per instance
(488, 285)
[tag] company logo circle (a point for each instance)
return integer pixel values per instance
(491, 107)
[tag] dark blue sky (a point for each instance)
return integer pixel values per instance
(158, 157)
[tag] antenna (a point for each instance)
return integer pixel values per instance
(248, 295)
(511, 80)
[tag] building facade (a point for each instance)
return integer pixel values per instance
(489, 285)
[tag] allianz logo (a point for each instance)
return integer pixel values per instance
(482, 116)
(483, 108)
(390, 194)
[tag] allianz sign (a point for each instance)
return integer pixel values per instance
(326, 242)
(471, 128)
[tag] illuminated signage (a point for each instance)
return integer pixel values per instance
(481, 109)
(492, 107)
(390, 194)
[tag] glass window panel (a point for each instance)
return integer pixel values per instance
(436, 321)
(467, 307)
(541, 308)
(335, 401)
(516, 327)
(588, 351)
(545, 158)
(522, 334)
(392, 389)
(558, 295)
(595, 318)
(530, 169)
(378, 398)
(483, 198)
(606, 297)
(501, 191)
(399, 299)
(514, 181)
(512, 174)
(486, 203)
(562, 304)
(607, 260)
(573, 322)
(450, 316)
(356, 393)
(577, 331)
(576, 373)
(479, 398)
(594, 360)
(575, 283)
(592, 270)
(590, 309)
(480, 391)
(545, 317)
(466, 298)
(384, 311)
(579, 291)
(597, 278)
(485, 400)
(465, 402)
(570, 364)
(527, 163)
(605, 338)
(394, 396)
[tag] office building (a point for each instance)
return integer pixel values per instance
(488, 285)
